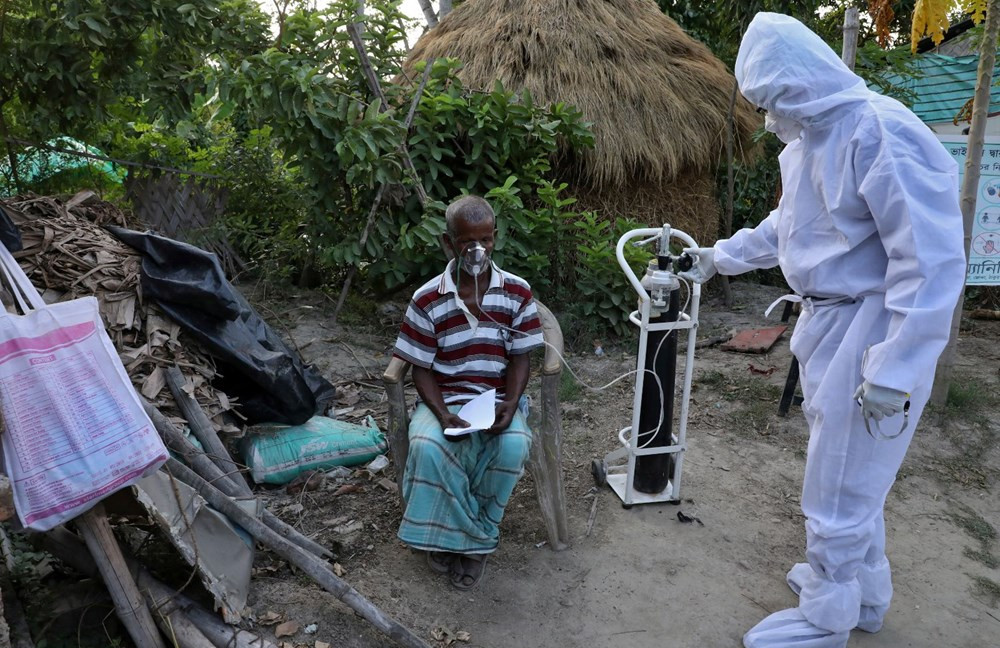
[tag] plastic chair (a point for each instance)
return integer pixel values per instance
(545, 460)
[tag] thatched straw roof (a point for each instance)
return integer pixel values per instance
(658, 99)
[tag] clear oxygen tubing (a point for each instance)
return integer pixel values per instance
(651, 433)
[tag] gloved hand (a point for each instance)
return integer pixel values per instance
(880, 402)
(704, 265)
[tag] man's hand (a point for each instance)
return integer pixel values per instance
(449, 420)
(504, 416)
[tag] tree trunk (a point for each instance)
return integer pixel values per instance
(15, 173)
(444, 8)
(970, 184)
(727, 226)
(359, 16)
(851, 26)
(429, 15)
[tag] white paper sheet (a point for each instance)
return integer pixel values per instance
(479, 413)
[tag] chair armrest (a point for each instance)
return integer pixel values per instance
(552, 334)
(395, 373)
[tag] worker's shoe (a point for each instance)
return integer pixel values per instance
(790, 629)
(870, 618)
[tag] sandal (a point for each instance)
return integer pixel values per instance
(467, 570)
(440, 562)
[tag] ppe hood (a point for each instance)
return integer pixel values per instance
(788, 70)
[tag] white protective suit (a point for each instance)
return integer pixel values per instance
(869, 233)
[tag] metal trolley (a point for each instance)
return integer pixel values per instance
(618, 469)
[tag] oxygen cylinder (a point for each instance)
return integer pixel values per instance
(653, 472)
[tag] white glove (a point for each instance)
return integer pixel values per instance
(880, 402)
(704, 265)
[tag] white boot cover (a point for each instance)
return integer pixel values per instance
(790, 629)
(876, 594)
(876, 591)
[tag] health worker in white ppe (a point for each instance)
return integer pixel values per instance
(868, 234)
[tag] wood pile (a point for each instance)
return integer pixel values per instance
(68, 254)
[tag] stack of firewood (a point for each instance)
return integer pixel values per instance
(68, 254)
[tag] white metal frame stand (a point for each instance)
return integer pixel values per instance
(617, 468)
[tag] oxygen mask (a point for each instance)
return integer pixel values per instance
(474, 259)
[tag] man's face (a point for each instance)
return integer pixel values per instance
(467, 235)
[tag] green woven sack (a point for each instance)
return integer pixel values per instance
(277, 454)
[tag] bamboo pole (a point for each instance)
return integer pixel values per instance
(970, 186)
(204, 431)
(378, 198)
(312, 566)
(129, 604)
(203, 466)
(161, 598)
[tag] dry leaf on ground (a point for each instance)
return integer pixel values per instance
(448, 636)
(286, 629)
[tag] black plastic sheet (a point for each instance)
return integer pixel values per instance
(10, 235)
(267, 377)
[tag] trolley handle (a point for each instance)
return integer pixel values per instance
(636, 233)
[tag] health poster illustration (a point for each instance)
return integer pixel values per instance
(984, 255)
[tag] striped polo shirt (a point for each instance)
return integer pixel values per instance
(467, 354)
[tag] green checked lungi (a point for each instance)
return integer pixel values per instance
(456, 491)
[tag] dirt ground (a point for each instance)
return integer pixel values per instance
(641, 577)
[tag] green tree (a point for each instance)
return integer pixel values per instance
(71, 67)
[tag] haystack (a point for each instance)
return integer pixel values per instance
(658, 99)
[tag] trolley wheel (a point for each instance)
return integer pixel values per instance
(600, 472)
(627, 506)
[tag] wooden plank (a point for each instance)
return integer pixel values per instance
(129, 604)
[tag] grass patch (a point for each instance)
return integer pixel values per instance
(976, 526)
(987, 588)
(757, 399)
(984, 557)
(358, 310)
(965, 419)
(569, 389)
(967, 397)
(980, 530)
(712, 379)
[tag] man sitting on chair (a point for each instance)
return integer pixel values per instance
(466, 331)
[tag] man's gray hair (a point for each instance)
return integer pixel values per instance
(471, 209)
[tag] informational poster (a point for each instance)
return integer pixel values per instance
(984, 257)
